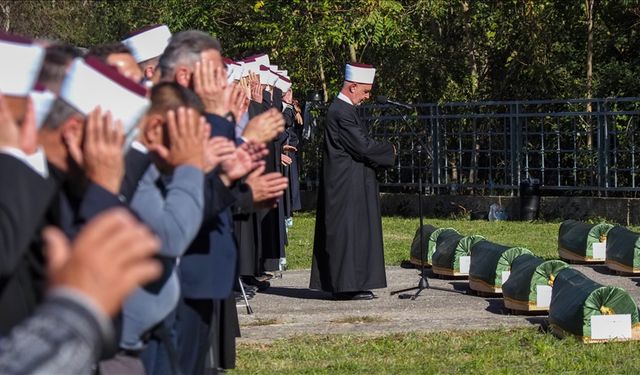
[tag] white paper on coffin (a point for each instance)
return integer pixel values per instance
(599, 250)
(617, 326)
(543, 298)
(465, 263)
(505, 276)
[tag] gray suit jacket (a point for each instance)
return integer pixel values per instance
(172, 206)
(64, 336)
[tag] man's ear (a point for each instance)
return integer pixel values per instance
(72, 133)
(183, 76)
(72, 129)
(153, 130)
(352, 88)
(149, 71)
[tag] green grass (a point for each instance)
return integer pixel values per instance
(521, 351)
(539, 237)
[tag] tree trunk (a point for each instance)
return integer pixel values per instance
(589, 5)
(323, 78)
(352, 53)
(6, 14)
(469, 45)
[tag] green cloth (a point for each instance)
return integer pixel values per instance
(527, 272)
(623, 246)
(433, 241)
(450, 247)
(489, 260)
(576, 298)
(578, 237)
(416, 252)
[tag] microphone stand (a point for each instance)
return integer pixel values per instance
(423, 282)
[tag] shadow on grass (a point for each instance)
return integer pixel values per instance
(300, 293)
(542, 322)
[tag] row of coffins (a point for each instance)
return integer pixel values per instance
(616, 246)
(576, 305)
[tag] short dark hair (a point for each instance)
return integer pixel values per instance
(185, 47)
(168, 96)
(103, 51)
(57, 59)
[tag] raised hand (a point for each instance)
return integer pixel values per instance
(102, 151)
(266, 188)
(109, 258)
(256, 91)
(186, 145)
(289, 148)
(288, 97)
(265, 127)
(285, 160)
(210, 83)
(9, 133)
(217, 150)
(235, 101)
(257, 152)
(237, 166)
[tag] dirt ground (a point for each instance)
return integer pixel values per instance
(290, 308)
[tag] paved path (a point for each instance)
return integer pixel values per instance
(289, 308)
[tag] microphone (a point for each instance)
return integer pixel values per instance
(381, 99)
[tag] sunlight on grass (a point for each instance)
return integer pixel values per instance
(539, 237)
(519, 351)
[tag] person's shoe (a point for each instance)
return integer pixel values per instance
(253, 282)
(240, 297)
(354, 296)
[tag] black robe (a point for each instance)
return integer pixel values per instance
(273, 231)
(348, 252)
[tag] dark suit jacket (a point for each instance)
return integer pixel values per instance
(208, 268)
(24, 198)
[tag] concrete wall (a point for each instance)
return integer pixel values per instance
(625, 211)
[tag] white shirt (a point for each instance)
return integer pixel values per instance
(344, 98)
(37, 161)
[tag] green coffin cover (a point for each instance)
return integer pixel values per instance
(433, 241)
(489, 259)
(416, 252)
(450, 247)
(576, 298)
(623, 247)
(579, 237)
(527, 272)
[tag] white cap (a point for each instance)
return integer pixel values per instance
(283, 73)
(148, 43)
(91, 83)
(234, 71)
(251, 65)
(261, 59)
(20, 65)
(359, 73)
(267, 77)
(283, 84)
(42, 101)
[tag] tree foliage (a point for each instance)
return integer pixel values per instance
(425, 50)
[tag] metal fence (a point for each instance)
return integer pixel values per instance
(575, 147)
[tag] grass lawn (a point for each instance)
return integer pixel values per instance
(519, 351)
(539, 237)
